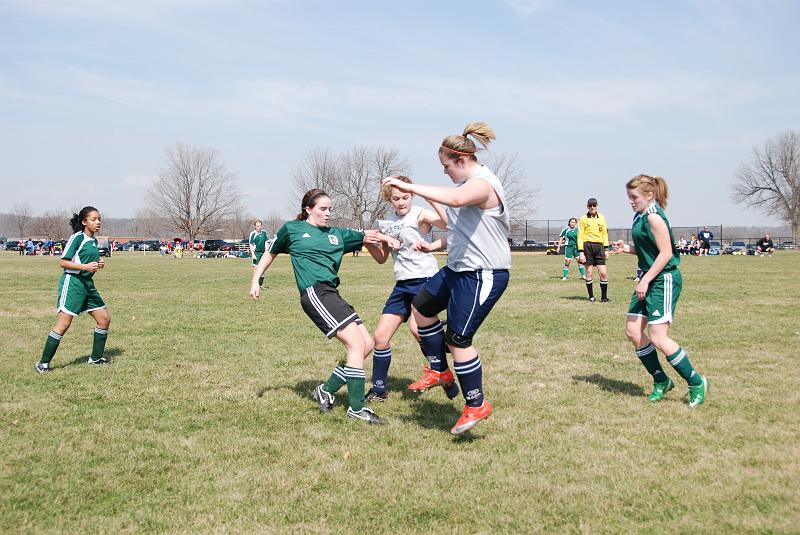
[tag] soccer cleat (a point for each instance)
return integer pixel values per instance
(697, 394)
(471, 416)
(374, 395)
(324, 398)
(43, 367)
(605, 300)
(563, 278)
(365, 415)
(636, 279)
(591, 299)
(99, 362)
(660, 390)
(433, 378)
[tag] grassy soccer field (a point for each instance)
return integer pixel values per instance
(204, 421)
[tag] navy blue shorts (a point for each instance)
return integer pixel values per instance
(468, 296)
(404, 292)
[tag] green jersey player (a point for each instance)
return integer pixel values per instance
(569, 239)
(257, 243)
(656, 295)
(76, 290)
(316, 251)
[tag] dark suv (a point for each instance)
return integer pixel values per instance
(216, 245)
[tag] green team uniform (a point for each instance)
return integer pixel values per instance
(662, 295)
(259, 239)
(316, 252)
(76, 291)
(571, 247)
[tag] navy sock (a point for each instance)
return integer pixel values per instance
(381, 359)
(470, 376)
(603, 289)
(590, 287)
(431, 341)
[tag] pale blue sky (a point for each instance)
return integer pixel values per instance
(588, 93)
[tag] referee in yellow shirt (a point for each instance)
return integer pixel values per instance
(592, 243)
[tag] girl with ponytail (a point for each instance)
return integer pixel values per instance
(316, 252)
(655, 296)
(476, 274)
(76, 290)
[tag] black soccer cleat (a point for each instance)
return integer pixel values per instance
(365, 415)
(324, 398)
(373, 395)
(605, 300)
(99, 362)
(42, 367)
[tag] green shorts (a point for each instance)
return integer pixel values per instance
(659, 302)
(571, 251)
(257, 259)
(77, 294)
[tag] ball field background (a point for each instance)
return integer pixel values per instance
(204, 421)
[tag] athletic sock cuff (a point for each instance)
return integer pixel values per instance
(676, 357)
(642, 351)
(382, 353)
(55, 336)
(430, 329)
(100, 331)
(354, 373)
(464, 368)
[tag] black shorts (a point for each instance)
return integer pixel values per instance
(326, 308)
(705, 246)
(595, 253)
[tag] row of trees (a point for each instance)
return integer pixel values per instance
(196, 196)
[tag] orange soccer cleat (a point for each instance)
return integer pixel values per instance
(433, 378)
(471, 416)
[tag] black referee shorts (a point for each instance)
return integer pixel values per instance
(595, 253)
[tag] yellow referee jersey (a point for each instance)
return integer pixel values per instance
(592, 229)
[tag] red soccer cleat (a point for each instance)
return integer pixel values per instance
(471, 416)
(433, 378)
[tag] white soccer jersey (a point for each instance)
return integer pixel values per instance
(408, 262)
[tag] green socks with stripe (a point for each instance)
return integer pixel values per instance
(50, 347)
(680, 361)
(335, 381)
(355, 387)
(99, 343)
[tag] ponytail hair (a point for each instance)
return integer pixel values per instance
(651, 184)
(455, 146)
(386, 191)
(76, 221)
(309, 201)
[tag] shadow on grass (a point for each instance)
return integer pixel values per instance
(610, 385)
(110, 354)
(576, 298)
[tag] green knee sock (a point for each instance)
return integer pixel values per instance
(355, 387)
(565, 271)
(582, 270)
(50, 346)
(335, 381)
(99, 343)
(680, 361)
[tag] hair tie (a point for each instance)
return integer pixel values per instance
(458, 151)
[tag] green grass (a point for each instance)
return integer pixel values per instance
(204, 422)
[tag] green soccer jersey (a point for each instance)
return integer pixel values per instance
(572, 236)
(316, 252)
(645, 243)
(81, 249)
(259, 239)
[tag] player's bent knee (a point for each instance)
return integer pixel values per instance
(457, 340)
(424, 304)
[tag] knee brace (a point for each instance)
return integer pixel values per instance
(425, 304)
(457, 340)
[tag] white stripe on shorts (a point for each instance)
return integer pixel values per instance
(319, 307)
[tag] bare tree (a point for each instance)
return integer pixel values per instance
(273, 223)
(239, 224)
(53, 224)
(195, 191)
(770, 182)
(520, 193)
(351, 179)
(147, 223)
(22, 217)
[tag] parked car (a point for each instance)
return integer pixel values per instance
(216, 245)
(736, 247)
(786, 245)
(715, 249)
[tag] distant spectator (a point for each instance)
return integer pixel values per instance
(683, 246)
(764, 246)
(29, 246)
(705, 236)
(21, 247)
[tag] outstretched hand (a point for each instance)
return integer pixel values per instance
(621, 247)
